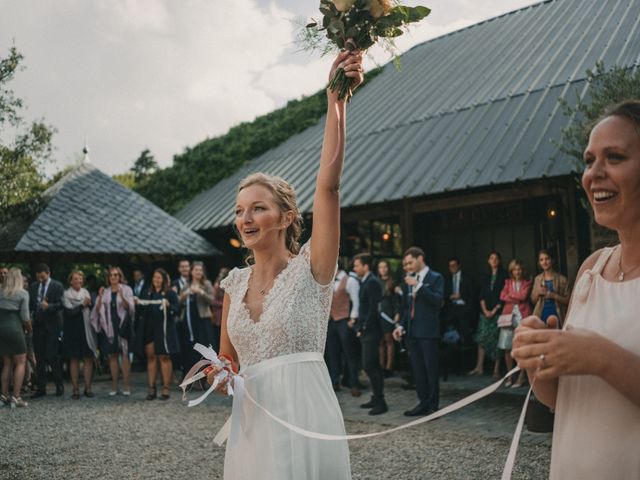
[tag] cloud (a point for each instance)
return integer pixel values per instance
(164, 74)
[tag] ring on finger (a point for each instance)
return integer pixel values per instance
(543, 360)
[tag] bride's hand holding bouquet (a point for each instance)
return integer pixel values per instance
(356, 25)
(346, 75)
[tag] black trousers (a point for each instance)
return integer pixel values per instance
(371, 363)
(460, 318)
(45, 348)
(424, 361)
(340, 347)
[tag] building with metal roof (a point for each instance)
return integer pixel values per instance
(90, 217)
(456, 152)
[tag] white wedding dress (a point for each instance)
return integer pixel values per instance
(281, 358)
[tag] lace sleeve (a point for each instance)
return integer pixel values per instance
(305, 257)
(228, 283)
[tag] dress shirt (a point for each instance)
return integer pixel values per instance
(42, 291)
(457, 278)
(422, 274)
(353, 290)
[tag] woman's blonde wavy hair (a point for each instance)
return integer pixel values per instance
(285, 197)
(13, 283)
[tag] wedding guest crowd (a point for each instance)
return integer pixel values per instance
(84, 324)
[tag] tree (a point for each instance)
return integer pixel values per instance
(23, 159)
(606, 88)
(144, 166)
(127, 179)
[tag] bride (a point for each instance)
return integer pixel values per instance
(274, 318)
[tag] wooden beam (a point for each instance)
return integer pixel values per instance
(509, 194)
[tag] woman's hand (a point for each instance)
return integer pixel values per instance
(549, 353)
(222, 386)
(351, 63)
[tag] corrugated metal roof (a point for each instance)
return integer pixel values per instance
(471, 108)
(89, 212)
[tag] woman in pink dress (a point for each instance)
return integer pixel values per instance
(515, 296)
(590, 371)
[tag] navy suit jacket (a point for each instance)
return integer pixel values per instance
(52, 317)
(368, 312)
(428, 302)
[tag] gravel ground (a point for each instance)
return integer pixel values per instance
(118, 437)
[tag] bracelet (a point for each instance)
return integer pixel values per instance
(229, 362)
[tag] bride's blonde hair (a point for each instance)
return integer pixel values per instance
(285, 197)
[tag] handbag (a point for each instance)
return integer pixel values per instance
(125, 328)
(505, 320)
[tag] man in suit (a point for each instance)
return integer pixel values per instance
(369, 330)
(184, 268)
(139, 284)
(422, 327)
(45, 305)
(458, 292)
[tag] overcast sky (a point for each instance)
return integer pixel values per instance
(166, 74)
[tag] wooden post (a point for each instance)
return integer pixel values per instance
(571, 229)
(406, 223)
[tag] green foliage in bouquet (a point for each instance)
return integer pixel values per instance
(357, 25)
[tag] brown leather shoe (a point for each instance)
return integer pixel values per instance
(355, 392)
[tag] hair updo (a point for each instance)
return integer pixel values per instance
(285, 198)
(629, 109)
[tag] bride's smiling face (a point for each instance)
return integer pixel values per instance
(258, 217)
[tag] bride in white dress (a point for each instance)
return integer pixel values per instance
(275, 315)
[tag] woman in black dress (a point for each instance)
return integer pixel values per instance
(197, 298)
(78, 340)
(388, 311)
(161, 306)
(490, 306)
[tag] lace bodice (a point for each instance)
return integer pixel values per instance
(294, 316)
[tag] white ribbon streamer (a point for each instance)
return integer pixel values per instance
(163, 307)
(211, 358)
(444, 411)
(231, 428)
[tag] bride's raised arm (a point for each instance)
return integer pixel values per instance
(325, 236)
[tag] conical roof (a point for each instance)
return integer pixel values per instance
(88, 212)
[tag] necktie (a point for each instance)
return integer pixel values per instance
(42, 287)
(413, 299)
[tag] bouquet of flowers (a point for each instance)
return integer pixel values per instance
(357, 25)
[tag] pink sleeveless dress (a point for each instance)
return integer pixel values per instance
(597, 430)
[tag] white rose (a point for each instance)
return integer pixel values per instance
(343, 5)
